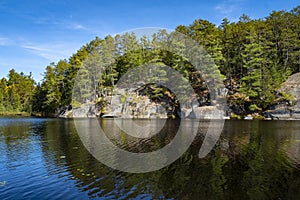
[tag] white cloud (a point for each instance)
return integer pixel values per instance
(5, 41)
(58, 23)
(69, 24)
(231, 9)
(76, 26)
(51, 52)
(227, 9)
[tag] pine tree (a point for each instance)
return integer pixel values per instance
(252, 58)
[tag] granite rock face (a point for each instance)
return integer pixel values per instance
(87, 110)
(290, 109)
(137, 104)
(138, 107)
(134, 106)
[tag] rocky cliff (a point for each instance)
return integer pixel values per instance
(289, 107)
(137, 104)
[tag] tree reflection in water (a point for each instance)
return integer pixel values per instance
(252, 160)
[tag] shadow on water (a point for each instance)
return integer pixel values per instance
(45, 159)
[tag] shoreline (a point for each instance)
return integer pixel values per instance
(40, 115)
(15, 114)
(22, 114)
(276, 117)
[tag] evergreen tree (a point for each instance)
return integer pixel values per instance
(252, 58)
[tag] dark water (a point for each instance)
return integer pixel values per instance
(45, 159)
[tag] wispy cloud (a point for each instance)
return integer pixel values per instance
(69, 23)
(230, 8)
(5, 41)
(51, 52)
(61, 23)
(64, 24)
(77, 26)
(227, 9)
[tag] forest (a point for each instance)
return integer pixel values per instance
(254, 57)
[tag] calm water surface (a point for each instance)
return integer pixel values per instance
(45, 159)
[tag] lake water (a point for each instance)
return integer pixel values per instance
(46, 159)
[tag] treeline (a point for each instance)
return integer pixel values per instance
(254, 55)
(16, 92)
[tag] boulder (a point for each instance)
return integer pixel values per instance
(205, 112)
(289, 109)
(87, 110)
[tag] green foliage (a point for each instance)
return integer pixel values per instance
(288, 97)
(253, 56)
(253, 107)
(76, 104)
(123, 98)
(16, 92)
(218, 179)
(251, 82)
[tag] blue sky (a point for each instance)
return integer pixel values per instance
(37, 32)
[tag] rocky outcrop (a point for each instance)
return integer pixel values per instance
(133, 105)
(119, 106)
(289, 107)
(205, 112)
(136, 104)
(86, 110)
